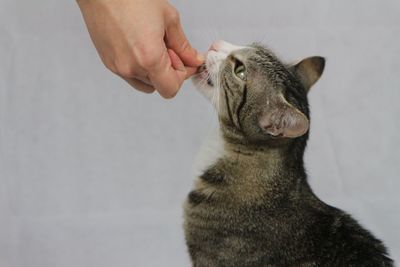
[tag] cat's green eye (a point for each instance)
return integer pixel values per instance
(240, 70)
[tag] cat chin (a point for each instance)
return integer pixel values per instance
(206, 90)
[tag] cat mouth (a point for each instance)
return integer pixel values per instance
(210, 82)
(205, 74)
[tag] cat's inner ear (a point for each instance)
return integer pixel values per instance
(282, 119)
(309, 70)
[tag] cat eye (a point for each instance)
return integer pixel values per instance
(240, 70)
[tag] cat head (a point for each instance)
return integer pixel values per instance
(257, 97)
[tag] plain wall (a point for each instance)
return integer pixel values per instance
(93, 173)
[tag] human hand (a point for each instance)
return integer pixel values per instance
(143, 42)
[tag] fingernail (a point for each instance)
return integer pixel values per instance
(200, 57)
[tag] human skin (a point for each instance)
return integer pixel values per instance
(143, 42)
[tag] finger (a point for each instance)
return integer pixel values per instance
(166, 79)
(178, 64)
(142, 79)
(176, 40)
(190, 71)
(139, 85)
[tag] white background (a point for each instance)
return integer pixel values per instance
(93, 173)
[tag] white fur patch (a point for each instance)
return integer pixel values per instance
(212, 147)
(210, 151)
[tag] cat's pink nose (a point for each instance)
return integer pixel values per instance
(217, 45)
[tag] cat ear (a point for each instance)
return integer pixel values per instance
(284, 120)
(309, 70)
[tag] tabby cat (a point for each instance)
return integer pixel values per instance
(253, 206)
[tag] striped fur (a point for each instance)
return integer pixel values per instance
(253, 205)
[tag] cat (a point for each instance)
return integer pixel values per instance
(253, 205)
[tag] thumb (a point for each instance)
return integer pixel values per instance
(169, 75)
(177, 64)
(176, 40)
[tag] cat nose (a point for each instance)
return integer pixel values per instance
(218, 45)
(223, 47)
(213, 47)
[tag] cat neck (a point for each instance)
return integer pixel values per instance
(279, 168)
(286, 152)
(243, 173)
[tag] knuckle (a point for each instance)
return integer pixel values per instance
(169, 94)
(109, 64)
(125, 69)
(147, 56)
(184, 46)
(112, 68)
(173, 15)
